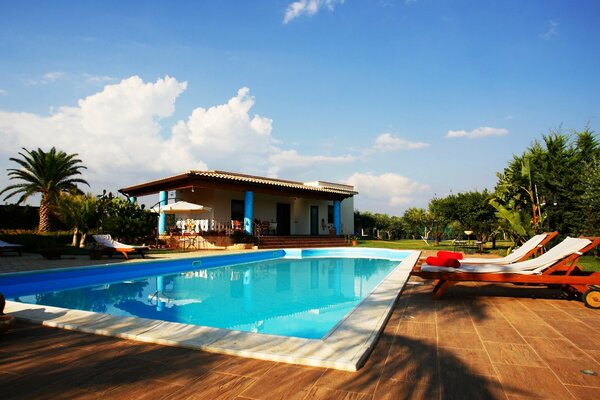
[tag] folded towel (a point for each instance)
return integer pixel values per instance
(450, 254)
(442, 262)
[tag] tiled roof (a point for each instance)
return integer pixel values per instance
(274, 182)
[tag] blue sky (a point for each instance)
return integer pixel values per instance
(404, 99)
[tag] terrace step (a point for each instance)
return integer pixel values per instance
(278, 242)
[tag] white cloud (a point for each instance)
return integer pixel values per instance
(118, 135)
(308, 7)
(388, 142)
(98, 79)
(551, 32)
(3, 92)
(388, 192)
(290, 159)
(483, 131)
(47, 78)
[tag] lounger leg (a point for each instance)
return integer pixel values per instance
(441, 288)
(124, 254)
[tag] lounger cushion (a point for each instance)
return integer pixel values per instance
(450, 254)
(443, 262)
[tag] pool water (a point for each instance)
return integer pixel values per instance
(303, 298)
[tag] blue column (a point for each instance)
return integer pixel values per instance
(248, 208)
(160, 287)
(162, 217)
(337, 217)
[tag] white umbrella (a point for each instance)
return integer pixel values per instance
(182, 207)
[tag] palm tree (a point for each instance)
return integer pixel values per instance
(47, 173)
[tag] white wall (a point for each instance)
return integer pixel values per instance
(265, 208)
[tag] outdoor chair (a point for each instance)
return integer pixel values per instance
(527, 249)
(556, 267)
(5, 246)
(112, 246)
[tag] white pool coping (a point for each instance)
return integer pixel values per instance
(346, 347)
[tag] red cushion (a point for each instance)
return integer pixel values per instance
(450, 254)
(443, 262)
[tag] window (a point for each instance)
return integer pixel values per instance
(330, 214)
(237, 210)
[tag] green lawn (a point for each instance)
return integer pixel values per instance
(588, 263)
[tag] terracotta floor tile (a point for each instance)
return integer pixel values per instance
(457, 325)
(139, 390)
(248, 367)
(536, 329)
(475, 362)
(418, 330)
(457, 384)
(321, 393)
(554, 348)
(463, 340)
(569, 371)
(505, 335)
(515, 354)
(584, 393)
(531, 382)
(214, 386)
(412, 361)
(595, 354)
(400, 390)
(284, 381)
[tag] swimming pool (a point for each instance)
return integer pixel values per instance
(298, 299)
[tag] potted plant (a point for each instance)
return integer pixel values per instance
(331, 230)
(354, 240)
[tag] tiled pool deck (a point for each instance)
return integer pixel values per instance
(483, 342)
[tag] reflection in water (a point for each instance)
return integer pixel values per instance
(303, 298)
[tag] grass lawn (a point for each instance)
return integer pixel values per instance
(587, 263)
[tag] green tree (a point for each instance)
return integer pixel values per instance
(123, 219)
(47, 173)
(79, 211)
(416, 223)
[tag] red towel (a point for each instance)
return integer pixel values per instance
(450, 254)
(443, 262)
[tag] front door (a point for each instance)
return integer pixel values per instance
(283, 219)
(314, 220)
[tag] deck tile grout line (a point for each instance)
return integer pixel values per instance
(486, 350)
(536, 353)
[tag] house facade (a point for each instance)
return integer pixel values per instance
(248, 202)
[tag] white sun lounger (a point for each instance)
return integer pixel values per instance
(107, 242)
(562, 250)
(5, 246)
(520, 254)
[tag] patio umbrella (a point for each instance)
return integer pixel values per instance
(182, 207)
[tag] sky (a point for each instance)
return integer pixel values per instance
(406, 100)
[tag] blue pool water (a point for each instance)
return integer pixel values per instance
(300, 293)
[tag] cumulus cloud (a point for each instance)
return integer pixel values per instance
(388, 142)
(290, 159)
(480, 132)
(387, 192)
(117, 132)
(308, 7)
(551, 32)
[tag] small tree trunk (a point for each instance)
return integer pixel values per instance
(44, 225)
(74, 241)
(82, 240)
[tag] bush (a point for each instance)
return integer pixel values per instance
(33, 241)
(242, 237)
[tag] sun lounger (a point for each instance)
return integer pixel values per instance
(527, 249)
(110, 245)
(5, 246)
(558, 266)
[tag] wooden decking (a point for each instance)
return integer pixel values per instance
(480, 342)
